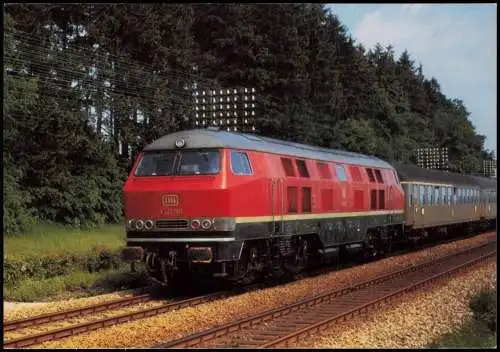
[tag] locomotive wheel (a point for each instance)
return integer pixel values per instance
(247, 267)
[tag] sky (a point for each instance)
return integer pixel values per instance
(456, 43)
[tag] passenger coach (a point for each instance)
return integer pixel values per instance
(441, 200)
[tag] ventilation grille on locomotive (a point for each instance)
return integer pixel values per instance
(172, 224)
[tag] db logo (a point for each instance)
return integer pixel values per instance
(170, 200)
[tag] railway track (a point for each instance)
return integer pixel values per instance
(278, 327)
(38, 322)
(53, 334)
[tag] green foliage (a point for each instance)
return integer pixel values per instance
(17, 217)
(75, 284)
(484, 306)
(472, 334)
(76, 87)
(42, 267)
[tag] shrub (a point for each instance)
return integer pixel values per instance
(484, 307)
(98, 259)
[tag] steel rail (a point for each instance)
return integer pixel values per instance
(249, 322)
(321, 325)
(34, 339)
(17, 324)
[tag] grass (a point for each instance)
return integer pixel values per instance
(74, 285)
(473, 334)
(59, 240)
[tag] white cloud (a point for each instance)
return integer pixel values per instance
(455, 46)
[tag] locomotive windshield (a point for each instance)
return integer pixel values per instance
(186, 162)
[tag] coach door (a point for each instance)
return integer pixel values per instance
(277, 204)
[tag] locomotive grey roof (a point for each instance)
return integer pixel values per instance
(414, 173)
(207, 138)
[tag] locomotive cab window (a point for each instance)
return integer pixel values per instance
(301, 165)
(240, 165)
(186, 162)
(288, 167)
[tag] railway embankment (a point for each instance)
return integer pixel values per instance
(55, 262)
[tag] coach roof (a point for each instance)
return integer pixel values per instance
(209, 138)
(412, 173)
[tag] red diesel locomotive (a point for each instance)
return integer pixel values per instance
(235, 205)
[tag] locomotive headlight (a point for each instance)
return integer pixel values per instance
(139, 224)
(149, 224)
(195, 224)
(131, 224)
(206, 224)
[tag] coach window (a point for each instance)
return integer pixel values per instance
(421, 192)
(415, 194)
(288, 167)
(240, 165)
(409, 193)
(378, 176)
(341, 175)
(292, 199)
(306, 200)
(301, 165)
(429, 195)
(450, 195)
(370, 175)
(436, 195)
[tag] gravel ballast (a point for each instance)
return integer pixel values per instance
(172, 325)
(413, 322)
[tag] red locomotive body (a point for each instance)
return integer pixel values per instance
(233, 205)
